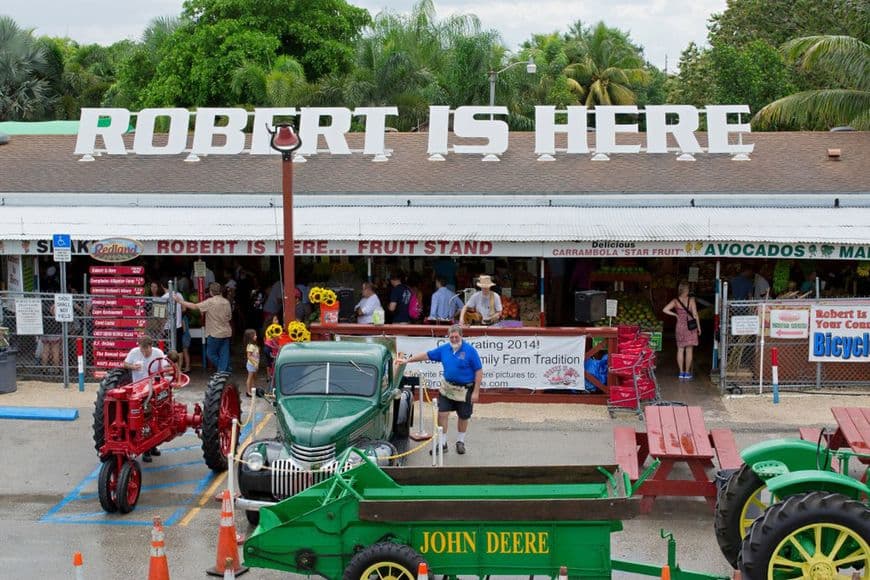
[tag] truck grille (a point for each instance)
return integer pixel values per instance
(289, 479)
(312, 455)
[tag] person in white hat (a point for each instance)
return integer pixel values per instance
(484, 306)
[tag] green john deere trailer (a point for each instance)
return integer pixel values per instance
(368, 522)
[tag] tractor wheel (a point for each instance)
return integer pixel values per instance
(113, 379)
(129, 486)
(220, 408)
(384, 560)
(811, 535)
(253, 517)
(741, 502)
(107, 485)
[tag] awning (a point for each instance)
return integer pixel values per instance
(494, 224)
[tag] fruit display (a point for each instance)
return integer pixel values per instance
(633, 309)
(529, 309)
(510, 310)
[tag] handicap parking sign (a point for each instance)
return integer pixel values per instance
(61, 240)
(62, 247)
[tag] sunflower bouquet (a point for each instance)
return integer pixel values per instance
(296, 331)
(326, 299)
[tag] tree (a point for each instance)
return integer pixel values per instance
(137, 70)
(754, 74)
(24, 93)
(847, 58)
(609, 67)
(282, 86)
(217, 37)
(695, 83)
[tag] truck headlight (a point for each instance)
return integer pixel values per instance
(256, 461)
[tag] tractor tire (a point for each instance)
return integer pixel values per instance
(107, 485)
(739, 499)
(253, 517)
(384, 560)
(129, 486)
(113, 379)
(220, 407)
(814, 524)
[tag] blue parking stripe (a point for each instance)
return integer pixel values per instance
(52, 516)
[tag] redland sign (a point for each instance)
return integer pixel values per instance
(220, 131)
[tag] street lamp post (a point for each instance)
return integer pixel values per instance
(285, 140)
(531, 68)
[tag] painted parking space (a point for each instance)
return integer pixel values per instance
(170, 485)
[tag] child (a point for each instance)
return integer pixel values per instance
(270, 349)
(252, 354)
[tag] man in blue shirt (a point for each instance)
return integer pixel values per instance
(741, 285)
(463, 373)
(445, 304)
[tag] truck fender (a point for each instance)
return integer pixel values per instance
(796, 454)
(796, 482)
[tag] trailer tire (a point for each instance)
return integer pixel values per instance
(221, 406)
(112, 379)
(398, 560)
(129, 486)
(742, 488)
(795, 522)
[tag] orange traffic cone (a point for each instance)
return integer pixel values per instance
(563, 573)
(422, 571)
(159, 567)
(77, 564)
(227, 548)
(666, 572)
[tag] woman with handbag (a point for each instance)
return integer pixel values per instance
(687, 329)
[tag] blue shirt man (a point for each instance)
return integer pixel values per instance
(400, 298)
(741, 286)
(463, 373)
(445, 304)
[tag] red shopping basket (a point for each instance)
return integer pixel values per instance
(620, 396)
(624, 365)
(627, 332)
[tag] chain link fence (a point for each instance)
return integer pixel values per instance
(46, 349)
(747, 345)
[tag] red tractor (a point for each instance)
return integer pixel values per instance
(131, 419)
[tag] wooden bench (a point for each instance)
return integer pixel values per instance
(727, 454)
(625, 451)
(810, 433)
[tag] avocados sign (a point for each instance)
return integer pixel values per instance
(777, 250)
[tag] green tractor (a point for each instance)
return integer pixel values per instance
(793, 511)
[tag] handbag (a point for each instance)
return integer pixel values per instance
(691, 323)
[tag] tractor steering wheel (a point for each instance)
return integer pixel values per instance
(823, 464)
(168, 373)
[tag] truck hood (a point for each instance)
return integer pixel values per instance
(315, 421)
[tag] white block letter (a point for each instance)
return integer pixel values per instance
(683, 130)
(546, 129)
(606, 129)
(119, 120)
(310, 130)
(143, 142)
(718, 129)
(495, 132)
(205, 130)
(439, 120)
(376, 124)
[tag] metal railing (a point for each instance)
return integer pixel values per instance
(46, 348)
(746, 355)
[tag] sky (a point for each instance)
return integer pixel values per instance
(663, 27)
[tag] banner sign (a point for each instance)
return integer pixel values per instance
(116, 270)
(789, 323)
(118, 302)
(513, 362)
(115, 250)
(458, 248)
(477, 130)
(14, 274)
(839, 333)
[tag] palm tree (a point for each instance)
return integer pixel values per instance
(282, 86)
(849, 60)
(24, 93)
(608, 69)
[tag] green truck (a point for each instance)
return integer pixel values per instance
(327, 397)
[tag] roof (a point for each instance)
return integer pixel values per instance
(782, 163)
(705, 218)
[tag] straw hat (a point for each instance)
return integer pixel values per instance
(485, 281)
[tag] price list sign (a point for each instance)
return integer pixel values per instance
(119, 312)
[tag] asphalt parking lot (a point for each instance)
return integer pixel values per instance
(49, 508)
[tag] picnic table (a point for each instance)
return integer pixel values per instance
(675, 435)
(853, 431)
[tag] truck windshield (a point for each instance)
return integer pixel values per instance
(328, 379)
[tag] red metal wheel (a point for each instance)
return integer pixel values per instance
(129, 486)
(107, 483)
(231, 408)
